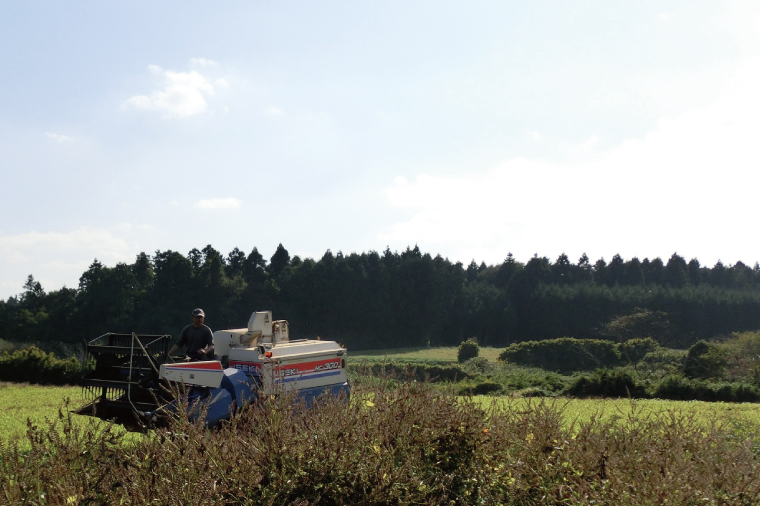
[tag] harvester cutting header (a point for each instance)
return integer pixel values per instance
(259, 360)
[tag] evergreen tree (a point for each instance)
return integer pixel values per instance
(676, 272)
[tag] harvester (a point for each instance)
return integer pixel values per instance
(136, 383)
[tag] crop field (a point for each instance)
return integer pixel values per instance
(38, 403)
(408, 444)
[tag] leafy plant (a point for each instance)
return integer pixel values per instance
(705, 360)
(607, 383)
(467, 350)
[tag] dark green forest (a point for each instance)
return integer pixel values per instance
(395, 299)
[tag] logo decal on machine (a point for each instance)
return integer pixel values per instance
(250, 368)
(308, 370)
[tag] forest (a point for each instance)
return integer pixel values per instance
(395, 299)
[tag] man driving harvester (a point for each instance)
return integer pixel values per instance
(197, 339)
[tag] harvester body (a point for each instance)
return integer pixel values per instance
(129, 382)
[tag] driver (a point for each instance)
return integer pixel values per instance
(197, 339)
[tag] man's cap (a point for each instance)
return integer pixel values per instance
(199, 312)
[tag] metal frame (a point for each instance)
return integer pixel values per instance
(125, 378)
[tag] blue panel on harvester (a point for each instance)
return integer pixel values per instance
(240, 387)
(219, 406)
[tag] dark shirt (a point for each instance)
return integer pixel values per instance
(194, 339)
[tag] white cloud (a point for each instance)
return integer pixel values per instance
(225, 203)
(58, 137)
(203, 62)
(274, 111)
(58, 258)
(183, 94)
(687, 186)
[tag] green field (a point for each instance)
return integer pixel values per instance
(40, 404)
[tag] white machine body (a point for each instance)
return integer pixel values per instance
(295, 365)
(265, 353)
(207, 374)
(261, 329)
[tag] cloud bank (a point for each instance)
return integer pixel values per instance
(182, 94)
(58, 258)
(687, 186)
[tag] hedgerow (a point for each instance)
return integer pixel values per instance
(33, 365)
(563, 355)
(677, 387)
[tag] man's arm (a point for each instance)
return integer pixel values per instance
(180, 342)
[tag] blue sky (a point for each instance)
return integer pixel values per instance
(471, 129)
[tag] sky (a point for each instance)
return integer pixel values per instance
(470, 129)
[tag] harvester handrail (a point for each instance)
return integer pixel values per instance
(147, 355)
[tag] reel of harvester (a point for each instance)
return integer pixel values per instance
(125, 378)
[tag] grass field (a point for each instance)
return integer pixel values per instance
(21, 402)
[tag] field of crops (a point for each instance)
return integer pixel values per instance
(399, 444)
(37, 403)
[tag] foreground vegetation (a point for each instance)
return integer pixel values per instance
(410, 444)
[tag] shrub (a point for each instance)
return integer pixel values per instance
(563, 355)
(478, 365)
(665, 357)
(483, 388)
(704, 360)
(607, 383)
(33, 365)
(684, 389)
(467, 350)
(633, 350)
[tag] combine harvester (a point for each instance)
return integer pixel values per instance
(129, 382)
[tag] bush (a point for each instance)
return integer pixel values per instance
(563, 355)
(33, 365)
(467, 350)
(633, 350)
(478, 365)
(683, 389)
(665, 357)
(483, 388)
(704, 360)
(607, 383)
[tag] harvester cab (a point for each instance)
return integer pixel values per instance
(129, 383)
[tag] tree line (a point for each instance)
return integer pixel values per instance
(395, 299)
